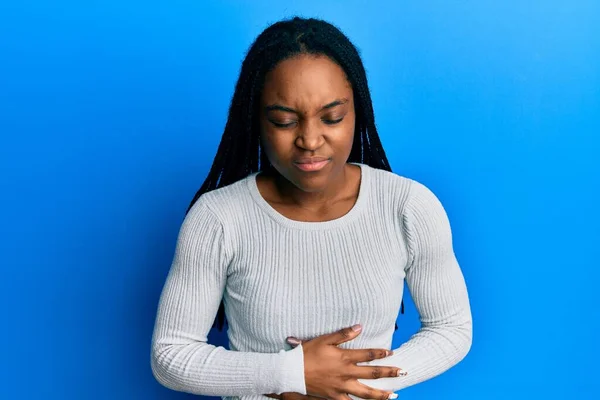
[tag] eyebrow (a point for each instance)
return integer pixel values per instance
(279, 107)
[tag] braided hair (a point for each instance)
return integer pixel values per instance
(239, 153)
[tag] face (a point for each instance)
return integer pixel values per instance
(307, 114)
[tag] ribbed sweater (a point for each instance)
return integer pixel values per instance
(280, 277)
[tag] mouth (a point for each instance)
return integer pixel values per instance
(312, 165)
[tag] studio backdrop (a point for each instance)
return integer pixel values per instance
(111, 113)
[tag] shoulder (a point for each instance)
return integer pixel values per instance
(225, 201)
(422, 200)
(408, 196)
(215, 215)
(389, 187)
(382, 178)
(425, 219)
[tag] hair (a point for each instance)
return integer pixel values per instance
(239, 153)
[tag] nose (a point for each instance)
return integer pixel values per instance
(310, 136)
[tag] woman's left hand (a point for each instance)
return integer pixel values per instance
(291, 395)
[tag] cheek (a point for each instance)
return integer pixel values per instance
(351, 121)
(273, 145)
(345, 134)
(271, 140)
(266, 135)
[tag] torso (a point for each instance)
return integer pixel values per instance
(286, 277)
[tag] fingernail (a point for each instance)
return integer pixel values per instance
(389, 353)
(356, 328)
(293, 341)
(393, 396)
(401, 373)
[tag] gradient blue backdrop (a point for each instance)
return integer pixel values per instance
(111, 113)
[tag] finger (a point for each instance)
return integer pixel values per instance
(376, 372)
(367, 392)
(364, 355)
(343, 335)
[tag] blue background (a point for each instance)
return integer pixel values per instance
(111, 113)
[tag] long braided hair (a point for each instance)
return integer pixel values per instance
(239, 153)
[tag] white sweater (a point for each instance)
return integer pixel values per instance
(280, 277)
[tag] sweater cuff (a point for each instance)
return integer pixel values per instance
(290, 371)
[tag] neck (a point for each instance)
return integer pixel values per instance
(336, 188)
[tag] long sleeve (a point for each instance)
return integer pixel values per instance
(437, 286)
(181, 358)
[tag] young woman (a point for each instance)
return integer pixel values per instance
(300, 233)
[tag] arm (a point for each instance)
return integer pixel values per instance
(181, 358)
(438, 288)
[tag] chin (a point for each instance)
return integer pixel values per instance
(310, 182)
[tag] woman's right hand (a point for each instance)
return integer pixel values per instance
(332, 373)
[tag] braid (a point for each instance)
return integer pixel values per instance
(240, 153)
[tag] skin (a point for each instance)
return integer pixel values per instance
(307, 108)
(304, 85)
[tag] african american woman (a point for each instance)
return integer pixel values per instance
(301, 239)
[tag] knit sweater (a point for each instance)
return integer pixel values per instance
(280, 277)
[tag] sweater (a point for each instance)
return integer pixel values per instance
(280, 277)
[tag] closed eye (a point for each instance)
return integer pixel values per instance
(277, 124)
(332, 122)
(287, 125)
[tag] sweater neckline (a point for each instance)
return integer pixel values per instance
(359, 205)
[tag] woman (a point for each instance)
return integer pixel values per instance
(302, 231)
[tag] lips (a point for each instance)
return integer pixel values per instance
(311, 160)
(312, 164)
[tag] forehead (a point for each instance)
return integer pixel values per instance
(306, 81)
